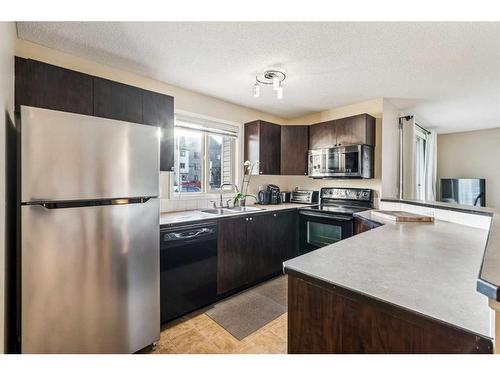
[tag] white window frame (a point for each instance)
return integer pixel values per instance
(205, 123)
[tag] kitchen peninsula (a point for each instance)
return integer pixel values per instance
(398, 288)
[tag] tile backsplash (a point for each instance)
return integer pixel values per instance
(170, 201)
(184, 203)
(288, 183)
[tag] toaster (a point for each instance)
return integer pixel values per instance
(304, 196)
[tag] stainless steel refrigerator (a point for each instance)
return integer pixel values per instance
(89, 234)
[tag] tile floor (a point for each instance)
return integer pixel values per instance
(197, 333)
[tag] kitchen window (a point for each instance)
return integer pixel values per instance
(205, 155)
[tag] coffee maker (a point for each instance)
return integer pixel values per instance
(271, 195)
(274, 194)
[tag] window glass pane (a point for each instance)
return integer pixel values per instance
(220, 161)
(188, 161)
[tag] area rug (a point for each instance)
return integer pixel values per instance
(250, 310)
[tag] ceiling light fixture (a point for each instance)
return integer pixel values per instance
(279, 91)
(256, 89)
(270, 77)
(276, 83)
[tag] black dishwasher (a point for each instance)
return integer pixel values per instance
(188, 268)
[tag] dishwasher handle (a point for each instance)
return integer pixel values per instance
(187, 234)
(191, 234)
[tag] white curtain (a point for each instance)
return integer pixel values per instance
(431, 166)
(408, 159)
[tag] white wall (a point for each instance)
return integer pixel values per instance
(390, 152)
(7, 42)
(473, 154)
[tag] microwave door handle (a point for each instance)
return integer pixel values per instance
(342, 162)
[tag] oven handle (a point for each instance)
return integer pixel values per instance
(325, 216)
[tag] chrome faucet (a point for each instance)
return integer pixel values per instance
(221, 202)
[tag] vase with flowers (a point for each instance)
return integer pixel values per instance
(242, 194)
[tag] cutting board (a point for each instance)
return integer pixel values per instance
(402, 216)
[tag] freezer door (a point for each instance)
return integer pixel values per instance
(90, 278)
(66, 156)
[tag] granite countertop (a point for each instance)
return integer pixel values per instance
(428, 268)
(186, 217)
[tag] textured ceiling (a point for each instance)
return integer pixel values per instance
(446, 73)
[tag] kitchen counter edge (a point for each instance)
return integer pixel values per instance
(190, 217)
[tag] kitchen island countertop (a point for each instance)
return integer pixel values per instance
(427, 268)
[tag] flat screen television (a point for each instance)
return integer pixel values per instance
(467, 191)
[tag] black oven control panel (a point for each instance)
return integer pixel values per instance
(347, 194)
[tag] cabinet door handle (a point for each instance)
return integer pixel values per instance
(246, 219)
(274, 215)
(260, 172)
(250, 219)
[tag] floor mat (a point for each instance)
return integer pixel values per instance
(250, 310)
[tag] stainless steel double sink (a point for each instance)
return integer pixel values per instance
(231, 211)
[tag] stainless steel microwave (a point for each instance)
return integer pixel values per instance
(356, 161)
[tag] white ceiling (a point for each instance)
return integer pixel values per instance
(448, 74)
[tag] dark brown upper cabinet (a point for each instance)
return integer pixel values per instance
(355, 130)
(158, 110)
(322, 135)
(359, 129)
(263, 144)
(117, 101)
(48, 86)
(294, 146)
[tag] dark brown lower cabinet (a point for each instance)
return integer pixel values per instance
(253, 247)
(362, 225)
(326, 319)
(285, 235)
(262, 256)
(232, 255)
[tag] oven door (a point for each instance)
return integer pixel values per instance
(317, 230)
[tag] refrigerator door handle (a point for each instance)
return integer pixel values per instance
(89, 203)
